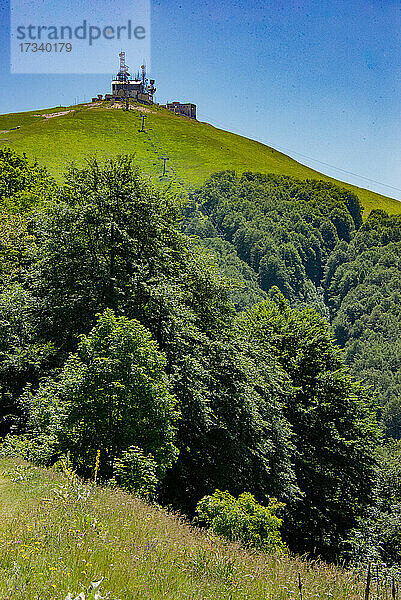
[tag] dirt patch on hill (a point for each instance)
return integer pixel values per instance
(131, 107)
(56, 114)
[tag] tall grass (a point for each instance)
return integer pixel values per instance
(57, 535)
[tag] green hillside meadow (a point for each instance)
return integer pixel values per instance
(57, 535)
(124, 364)
(195, 149)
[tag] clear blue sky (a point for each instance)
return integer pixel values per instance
(317, 79)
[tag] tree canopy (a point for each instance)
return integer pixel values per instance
(119, 333)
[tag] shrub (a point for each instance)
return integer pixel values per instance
(39, 450)
(136, 472)
(243, 520)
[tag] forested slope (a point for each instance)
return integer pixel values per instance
(129, 349)
(308, 239)
(121, 347)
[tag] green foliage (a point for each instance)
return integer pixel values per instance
(111, 394)
(334, 431)
(23, 186)
(247, 291)
(38, 450)
(282, 228)
(363, 284)
(107, 242)
(17, 248)
(234, 434)
(126, 323)
(23, 355)
(377, 536)
(243, 520)
(136, 472)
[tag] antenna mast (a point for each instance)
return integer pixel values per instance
(123, 74)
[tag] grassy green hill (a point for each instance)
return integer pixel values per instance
(58, 535)
(195, 149)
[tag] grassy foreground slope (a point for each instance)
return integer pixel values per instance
(58, 535)
(195, 149)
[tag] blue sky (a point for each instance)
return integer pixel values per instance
(319, 80)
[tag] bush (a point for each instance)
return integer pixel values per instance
(39, 450)
(136, 472)
(243, 520)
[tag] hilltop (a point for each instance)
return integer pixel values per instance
(56, 136)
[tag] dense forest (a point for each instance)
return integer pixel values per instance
(244, 339)
(308, 239)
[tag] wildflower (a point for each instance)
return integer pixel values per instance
(97, 463)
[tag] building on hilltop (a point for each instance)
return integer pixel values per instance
(124, 87)
(187, 109)
(141, 89)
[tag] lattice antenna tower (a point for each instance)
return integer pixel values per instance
(123, 74)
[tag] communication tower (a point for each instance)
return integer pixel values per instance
(123, 74)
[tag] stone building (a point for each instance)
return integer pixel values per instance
(187, 109)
